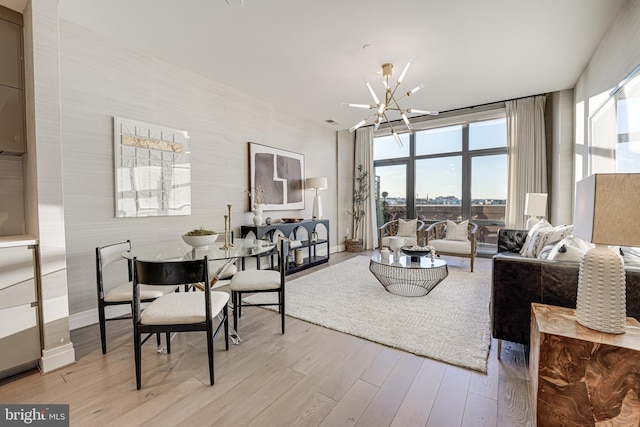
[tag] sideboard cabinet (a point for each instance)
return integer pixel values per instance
(305, 237)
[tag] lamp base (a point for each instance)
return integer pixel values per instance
(317, 207)
(532, 221)
(601, 303)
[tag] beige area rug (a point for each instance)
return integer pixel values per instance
(450, 324)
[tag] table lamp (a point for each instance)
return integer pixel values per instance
(535, 205)
(317, 184)
(605, 210)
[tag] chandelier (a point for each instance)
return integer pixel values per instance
(390, 103)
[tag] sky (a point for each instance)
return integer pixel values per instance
(442, 176)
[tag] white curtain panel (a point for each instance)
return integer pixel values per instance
(364, 157)
(526, 144)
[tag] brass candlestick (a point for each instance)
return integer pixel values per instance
(227, 229)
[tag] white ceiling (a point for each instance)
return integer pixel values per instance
(307, 56)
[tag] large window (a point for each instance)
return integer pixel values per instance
(449, 169)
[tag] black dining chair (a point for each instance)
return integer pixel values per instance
(113, 291)
(260, 281)
(178, 311)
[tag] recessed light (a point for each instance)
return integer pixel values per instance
(235, 3)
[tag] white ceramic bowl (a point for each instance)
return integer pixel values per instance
(200, 242)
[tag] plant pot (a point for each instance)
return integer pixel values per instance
(354, 245)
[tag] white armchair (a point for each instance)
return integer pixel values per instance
(410, 229)
(453, 238)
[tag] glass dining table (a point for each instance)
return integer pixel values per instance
(218, 251)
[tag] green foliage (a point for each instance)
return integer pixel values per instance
(360, 196)
(200, 232)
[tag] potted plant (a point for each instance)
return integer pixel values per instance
(360, 197)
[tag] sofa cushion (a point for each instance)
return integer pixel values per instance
(458, 232)
(407, 228)
(536, 238)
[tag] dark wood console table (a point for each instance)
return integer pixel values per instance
(292, 231)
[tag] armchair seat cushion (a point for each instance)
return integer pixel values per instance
(462, 247)
(408, 241)
(255, 280)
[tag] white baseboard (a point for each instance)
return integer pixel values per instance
(57, 358)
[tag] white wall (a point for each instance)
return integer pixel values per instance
(99, 80)
(615, 57)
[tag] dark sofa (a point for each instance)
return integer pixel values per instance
(519, 281)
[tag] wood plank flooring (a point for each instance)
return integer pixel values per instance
(311, 376)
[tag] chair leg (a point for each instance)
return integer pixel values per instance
(158, 340)
(103, 328)
(499, 349)
(168, 338)
(281, 307)
(234, 298)
(225, 312)
(138, 359)
(210, 353)
(472, 257)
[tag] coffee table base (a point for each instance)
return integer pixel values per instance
(408, 282)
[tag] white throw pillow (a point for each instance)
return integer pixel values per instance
(570, 248)
(631, 256)
(558, 233)
(457, 231)
(536, 238)
(407, 228)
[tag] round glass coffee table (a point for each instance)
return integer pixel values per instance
(401, 276)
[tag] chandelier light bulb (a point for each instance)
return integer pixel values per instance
(395, 135)
(365, 106)
(359, 124)
(373, 94)
(404, 72)
(381, 108)
(415, 89)
(406, 120)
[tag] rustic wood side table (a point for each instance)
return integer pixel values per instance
(579, 376)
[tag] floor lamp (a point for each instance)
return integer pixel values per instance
(605, 214)
(317, 184)
(535, 205)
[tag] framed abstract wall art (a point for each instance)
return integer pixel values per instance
(278, 175)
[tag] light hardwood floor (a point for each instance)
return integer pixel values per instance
(311, 376)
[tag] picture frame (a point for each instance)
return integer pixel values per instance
(276, 176)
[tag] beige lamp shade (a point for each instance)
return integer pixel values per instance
(606, 205)
(535, 204)
(316, 183)
(606, 209)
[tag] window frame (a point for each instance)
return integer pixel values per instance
(464, 119)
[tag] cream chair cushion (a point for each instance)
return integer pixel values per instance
(182, 308)
(407, 228)
(452, 246)
(457, 232)
(248, 280)
(408, 241)
(124, 292)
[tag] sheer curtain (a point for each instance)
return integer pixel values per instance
(364, 156)
(527, 167)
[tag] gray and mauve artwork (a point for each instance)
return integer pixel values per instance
(280, 176)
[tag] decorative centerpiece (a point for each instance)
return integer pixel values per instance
(415, 252)
(200, 238)
(257, 194)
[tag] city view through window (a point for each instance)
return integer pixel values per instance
(452, 172)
